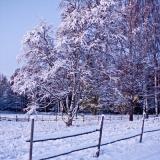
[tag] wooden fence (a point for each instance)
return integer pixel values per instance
(31, 140)
(16, 118)
(56, 118)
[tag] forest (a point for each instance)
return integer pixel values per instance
(104, 56)
(9, 100)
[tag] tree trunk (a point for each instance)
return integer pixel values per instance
(146, 107)
(131, 113)
(155, 96)
(70, 116)
(69, 123)
(145, 102)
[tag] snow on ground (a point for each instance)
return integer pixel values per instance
(14, 147)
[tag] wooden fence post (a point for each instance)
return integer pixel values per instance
(100, 137)
(16, 118)
(56, 117)
(31, 138)
(142, 127)
(83, 117)
(28, 118)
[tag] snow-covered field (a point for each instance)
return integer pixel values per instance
(14, 147)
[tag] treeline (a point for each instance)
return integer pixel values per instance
(104, 55)
(10, 101)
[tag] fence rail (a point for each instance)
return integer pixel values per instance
(103, 144)
(62, 137)
(129, 137)
(68, 136)
(26, 118)
(20, 119)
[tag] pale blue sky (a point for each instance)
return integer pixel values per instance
(16, 16)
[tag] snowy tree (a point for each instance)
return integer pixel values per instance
(79, 65)
(8, 99)
(153, 23)
(86, 39)
(102, 49)
(37, 56)
(148, 10)
(138, 21)
(3, 90)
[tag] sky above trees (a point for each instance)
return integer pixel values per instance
(16, 17)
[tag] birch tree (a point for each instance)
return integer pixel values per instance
(153, 9)
(85, 38)
(37, 57)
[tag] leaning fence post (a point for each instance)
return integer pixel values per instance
(142, 127)
(31, 138)
(100, 136)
